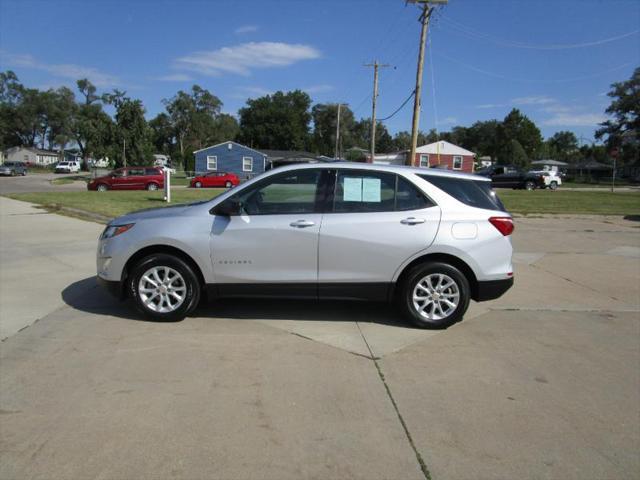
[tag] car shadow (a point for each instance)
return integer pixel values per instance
(87, 296)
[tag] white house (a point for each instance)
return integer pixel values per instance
(32, 156)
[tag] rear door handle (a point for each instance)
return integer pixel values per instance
(302, 223)
(412, 221)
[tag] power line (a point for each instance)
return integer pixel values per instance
(400, 107)
(514, 44)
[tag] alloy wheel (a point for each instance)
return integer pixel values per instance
(436, 296)
(162, 289)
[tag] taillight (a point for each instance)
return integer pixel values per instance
(503, 224)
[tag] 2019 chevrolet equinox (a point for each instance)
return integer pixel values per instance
(431, 240)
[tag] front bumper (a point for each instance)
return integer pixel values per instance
(492, 289)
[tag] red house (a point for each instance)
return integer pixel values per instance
(446, 155)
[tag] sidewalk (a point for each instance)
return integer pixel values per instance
(40, 254)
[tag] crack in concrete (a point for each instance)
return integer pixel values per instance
(419, 459)
(574, 282)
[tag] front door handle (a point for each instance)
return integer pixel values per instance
(412, 221)
(302, 223)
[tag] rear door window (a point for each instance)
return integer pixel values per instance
(475, 193)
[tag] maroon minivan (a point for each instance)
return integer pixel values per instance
(129, 178)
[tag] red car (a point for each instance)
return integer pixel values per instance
(129, 178)
(215, 179)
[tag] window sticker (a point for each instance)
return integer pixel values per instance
(352, 190)
(371, 190)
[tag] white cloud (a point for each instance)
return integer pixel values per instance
(63, 70)
(575, 120)
(318, 88)
(448, 121)
(518, 101)
(242, 59)
(176, 77)
(246, 29)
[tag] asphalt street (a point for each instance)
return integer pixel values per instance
(542, 383)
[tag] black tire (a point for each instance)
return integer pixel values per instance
(228, 184)
(529, 185)
(419, 273)
(152, 187)
(102, 187)
(553, 186)
(191, 282)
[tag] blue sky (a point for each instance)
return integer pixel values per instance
(552, 59)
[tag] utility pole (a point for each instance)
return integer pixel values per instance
(124, 151)
(375, 66)
(337, 132)
(424, 20)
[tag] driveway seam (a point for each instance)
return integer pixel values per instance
(419, 459)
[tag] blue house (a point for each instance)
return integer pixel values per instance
(230, 157)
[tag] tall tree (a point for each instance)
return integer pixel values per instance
(563, 146)
(623, 130)
(279, 121)
(325, 117)
(92, 129)
(132, 130)
(517, 126)
(362, 136)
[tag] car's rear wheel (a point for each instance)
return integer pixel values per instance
(553, 185)
(228, 184)
(530, 186)
(198, 184)
(164, 287)
(435, 295)
(152, 187)
(102, 188)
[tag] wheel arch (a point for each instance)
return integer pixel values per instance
(166, 249)
(452, 260)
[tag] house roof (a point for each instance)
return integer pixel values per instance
(593, 165)
(555, 163)
(33, 149)
(224, 143)
(444, 148)
(288, 154)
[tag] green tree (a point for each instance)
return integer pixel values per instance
(279, 121)
(623, 130)
(325, 116)
(483, 138)
(362, 136)
(563, 146)
(517, 126)
(162, 136)
(514, 154)
(132, 130)
(91, 128)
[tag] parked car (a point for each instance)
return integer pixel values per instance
(13, 168)
(72, 166)
(215, 179)
(551, 178)
(510, 176)
(129, 178)
(429, 240)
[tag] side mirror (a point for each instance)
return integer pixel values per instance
(228, 208)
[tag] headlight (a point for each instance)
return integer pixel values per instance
(115, 230)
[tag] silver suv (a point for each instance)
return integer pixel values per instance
(429, 240)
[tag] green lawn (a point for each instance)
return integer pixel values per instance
(568, 202)
(113, 203)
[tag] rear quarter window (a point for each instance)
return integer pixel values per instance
(475, 193)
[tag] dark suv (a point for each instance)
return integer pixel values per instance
(129, 178)
(510, 176)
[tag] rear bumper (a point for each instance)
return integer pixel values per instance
(114, 287)
(490, 290)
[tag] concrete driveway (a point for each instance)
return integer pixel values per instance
(543, 383)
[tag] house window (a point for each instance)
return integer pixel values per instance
(424, 161)
(247, 164)
(212, 162)
(457, 163)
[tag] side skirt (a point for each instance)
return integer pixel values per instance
(324, 291)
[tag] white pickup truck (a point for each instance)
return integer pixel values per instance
(551, 178)
(72, 166)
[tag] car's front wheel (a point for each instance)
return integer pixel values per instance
(198, 184)
(530, 186)
(553, 186)
(435, 295)
(228, 184)
(152, 187)
(102, 188)
(164, 287)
